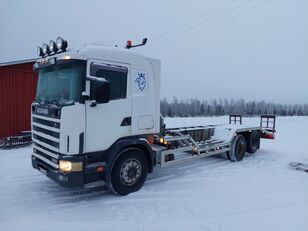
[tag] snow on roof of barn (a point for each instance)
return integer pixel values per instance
(18, 62)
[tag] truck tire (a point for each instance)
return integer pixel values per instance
(238, 148)
(129, 171)
(253, 142)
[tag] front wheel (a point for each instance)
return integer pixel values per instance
(129, 171)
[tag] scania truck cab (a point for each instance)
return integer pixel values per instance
(93, 106)
(96, 120)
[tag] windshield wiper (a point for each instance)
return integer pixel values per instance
(51, 101)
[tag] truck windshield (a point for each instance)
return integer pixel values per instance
(61, 84)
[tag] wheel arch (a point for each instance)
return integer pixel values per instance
(140, 143)
(119, 148)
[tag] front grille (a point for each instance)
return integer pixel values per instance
(43, 154)
(46, 122)
(45, 140)
(46, 133)
(46, 152)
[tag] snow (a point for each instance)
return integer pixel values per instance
(260, 193)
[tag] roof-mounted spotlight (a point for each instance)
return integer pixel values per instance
(40, 51)
(45, 49)
(61, 44)
(52, 46)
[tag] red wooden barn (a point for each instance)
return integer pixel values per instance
(17, 91)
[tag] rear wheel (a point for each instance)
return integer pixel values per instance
(253, 142)
(129, 171)
(238, 148)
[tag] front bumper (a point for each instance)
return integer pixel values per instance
(68, 179)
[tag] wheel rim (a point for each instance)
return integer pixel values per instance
(130, 172)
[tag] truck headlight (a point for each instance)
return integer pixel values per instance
(68, 166)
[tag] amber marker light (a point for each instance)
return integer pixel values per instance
(100, 169)
(66, 57)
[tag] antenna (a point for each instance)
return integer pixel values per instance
(129, 43)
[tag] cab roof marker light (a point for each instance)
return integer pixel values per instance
(66, 57)
(129, 44)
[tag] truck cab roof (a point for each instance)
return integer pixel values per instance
(108, 53)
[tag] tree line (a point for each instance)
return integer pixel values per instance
(195, 107)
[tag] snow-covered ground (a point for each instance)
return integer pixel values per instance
(260, 193)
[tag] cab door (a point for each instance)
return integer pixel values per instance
(108, 122)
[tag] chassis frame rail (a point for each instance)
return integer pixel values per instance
(186, 143)
(189, 148)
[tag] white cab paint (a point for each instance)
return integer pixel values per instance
(72, 125)
(102, 124)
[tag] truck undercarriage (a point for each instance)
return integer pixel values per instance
(172, 146)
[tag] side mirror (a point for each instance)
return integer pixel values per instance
(101, 91)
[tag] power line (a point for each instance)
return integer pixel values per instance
(192, 21)
(216, 24)
(211, 19)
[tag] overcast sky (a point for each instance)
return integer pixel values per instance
(210, 49)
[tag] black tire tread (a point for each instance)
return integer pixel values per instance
(232, 153)
(251, 147)
(117, 186)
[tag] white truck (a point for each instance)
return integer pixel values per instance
(96, 120)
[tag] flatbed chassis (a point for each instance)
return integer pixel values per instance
(188, 148)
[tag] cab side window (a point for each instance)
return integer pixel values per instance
(117, 78)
